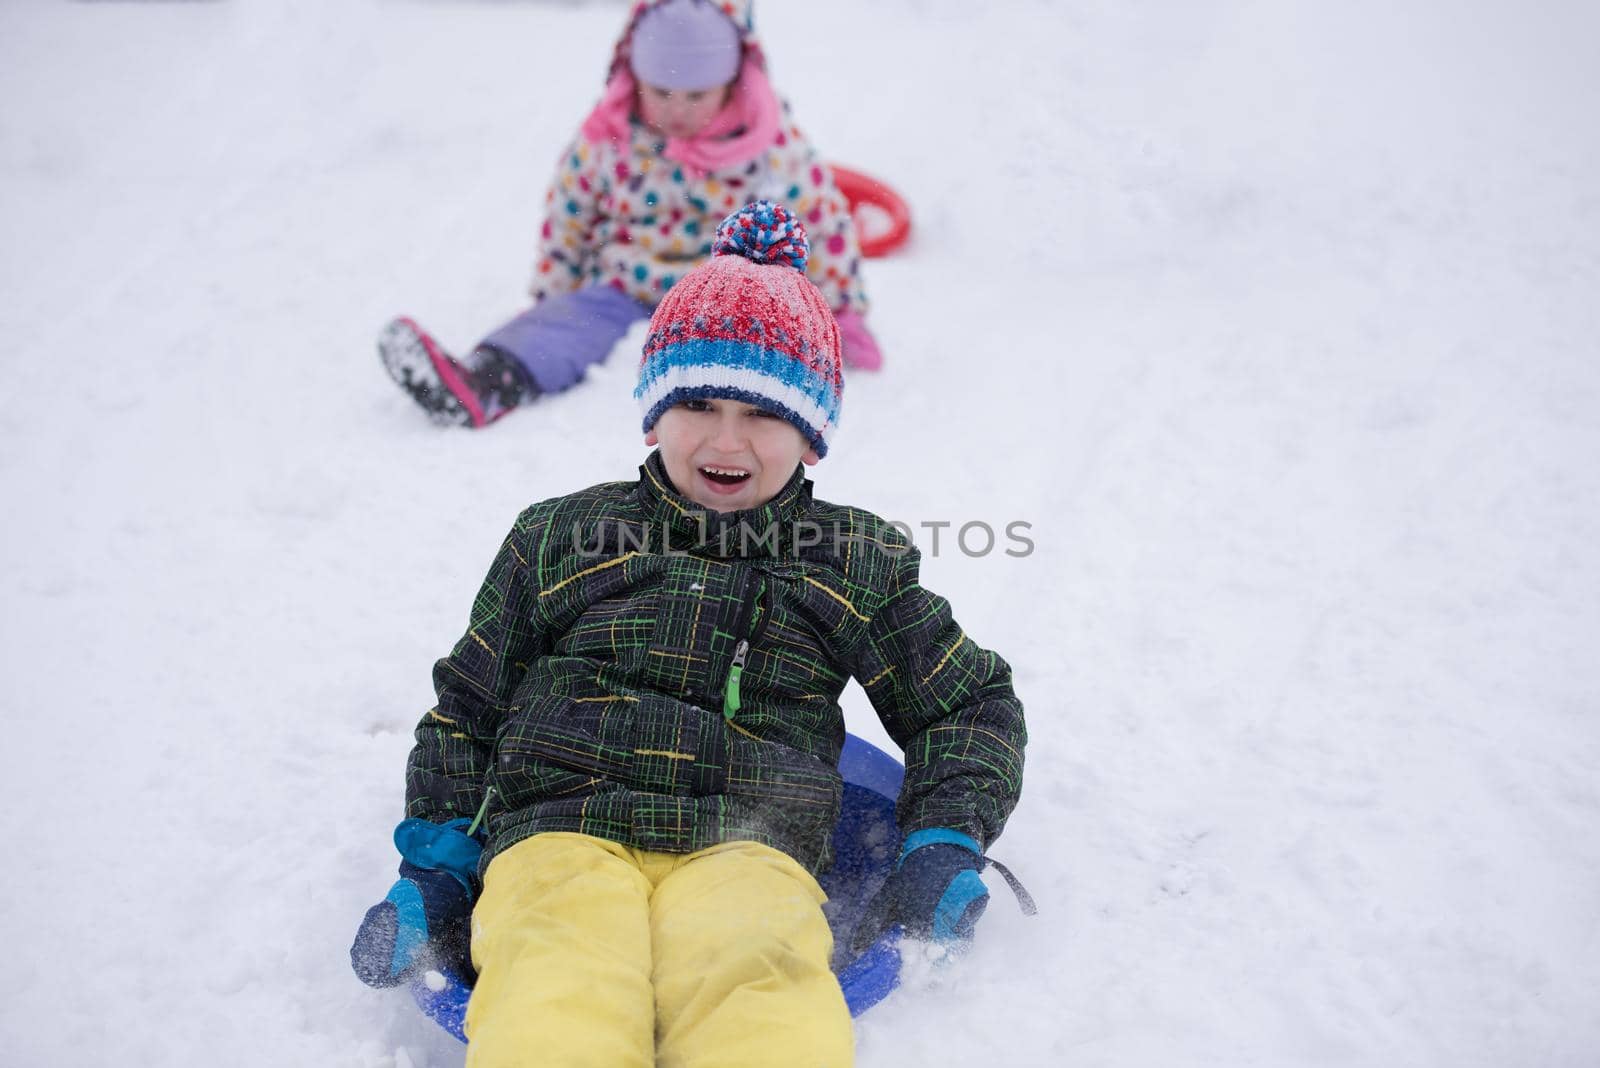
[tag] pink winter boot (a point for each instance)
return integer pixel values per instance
(475, 393)
(860, 348)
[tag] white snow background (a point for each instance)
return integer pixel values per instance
(1277, 321)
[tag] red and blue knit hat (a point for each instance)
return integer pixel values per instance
(748, 325)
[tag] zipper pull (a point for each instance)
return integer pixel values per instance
(730, 701)
(483, 810)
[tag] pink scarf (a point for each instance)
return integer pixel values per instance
(753, 106)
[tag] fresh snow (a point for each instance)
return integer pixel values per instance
(1276, 321)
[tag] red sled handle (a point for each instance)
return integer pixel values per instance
(858, 189)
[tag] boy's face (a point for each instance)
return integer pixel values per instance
(726, 455)
(680, 113)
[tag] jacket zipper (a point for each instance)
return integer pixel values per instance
(747, 608)
(730, 698)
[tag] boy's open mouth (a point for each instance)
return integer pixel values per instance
(725, 476)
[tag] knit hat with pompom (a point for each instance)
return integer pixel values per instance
(748, 325)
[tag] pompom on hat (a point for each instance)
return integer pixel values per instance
(748, 325)
(686, 45)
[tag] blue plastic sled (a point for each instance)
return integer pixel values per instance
(864, 845)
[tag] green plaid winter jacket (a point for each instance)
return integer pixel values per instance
(640, 669)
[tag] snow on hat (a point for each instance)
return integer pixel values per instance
(686, 45)
(748, 325)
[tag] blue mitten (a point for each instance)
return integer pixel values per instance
(425, 917)
(934, 891)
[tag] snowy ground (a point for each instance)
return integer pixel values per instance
(1278, 321)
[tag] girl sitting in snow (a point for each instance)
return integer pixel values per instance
(636, 742)
(688, 129)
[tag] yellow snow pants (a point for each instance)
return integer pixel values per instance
(592, 953)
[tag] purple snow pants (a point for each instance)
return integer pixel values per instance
(562, 336)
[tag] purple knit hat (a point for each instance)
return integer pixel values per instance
(748, 325)
(686, 45)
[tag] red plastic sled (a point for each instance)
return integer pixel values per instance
(862, 190)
